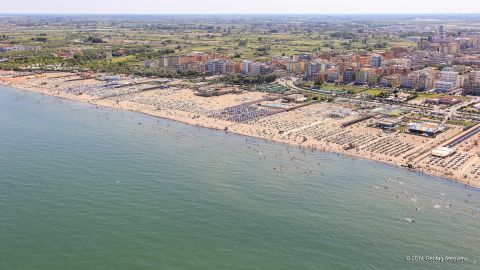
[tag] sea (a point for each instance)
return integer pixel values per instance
(89, 187)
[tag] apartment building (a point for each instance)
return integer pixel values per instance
(362, 75)
(390, 81)
(376, 61)
(217, 66)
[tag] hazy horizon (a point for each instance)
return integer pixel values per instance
(249, 14)
(269, 7)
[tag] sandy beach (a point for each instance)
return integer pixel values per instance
(309, 127)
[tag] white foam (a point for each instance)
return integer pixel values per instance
(411, 220)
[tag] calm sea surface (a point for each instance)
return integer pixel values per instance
(83, 187)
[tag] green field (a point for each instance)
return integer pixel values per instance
(350, 88)
(374, 92)
(146, 39)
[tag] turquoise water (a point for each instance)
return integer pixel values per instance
(83, 187)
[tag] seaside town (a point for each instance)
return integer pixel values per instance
(403, 94)
(239, 135)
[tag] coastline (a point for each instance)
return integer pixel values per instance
(243, 129)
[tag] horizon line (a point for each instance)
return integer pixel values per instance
(375, 13)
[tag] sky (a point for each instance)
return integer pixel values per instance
(239, 6)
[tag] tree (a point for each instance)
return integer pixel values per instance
(91, 39)
(40, 39)
(383, 95)
(318, 81)
(242, 43)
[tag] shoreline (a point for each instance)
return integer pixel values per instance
(243, 129)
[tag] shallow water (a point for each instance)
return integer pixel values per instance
(83, 187)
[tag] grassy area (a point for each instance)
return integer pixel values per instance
(350, 88)
(470, 109)
(123, 58)
(422, 96)
(374, 92)
(461, 123)
(463, 98)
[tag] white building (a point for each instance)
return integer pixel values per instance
(443, 87)
(448, 81)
